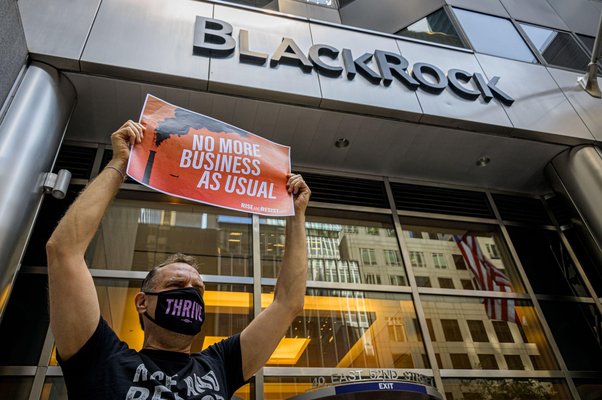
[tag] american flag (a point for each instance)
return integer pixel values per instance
(487, 277)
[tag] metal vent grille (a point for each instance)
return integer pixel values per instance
(521, 209)
(441, 200)
(78, 160)
(349, 191)
(562, 210)
(106, 157)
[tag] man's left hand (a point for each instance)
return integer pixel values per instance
(297, 186)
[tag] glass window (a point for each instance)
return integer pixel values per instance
(575, 327)
(228, 311)
(15, 387)
(514, 362)
(398, 280)
(578, 241)
(456, 242)
(492, 250)
(459, 262)
(423, 281)
(373, 279)
(392, 257)
(446, 283)
(54, 389)
(531, 389)
(451, 330)
(467, 284)
(435, 27)
(494, 35)
(557, 48)
(351, 329)
(502, 331)
(546, 262)
(454, 314)
(460, 361)
(477, 331)
(439, 260)
(368, 256)
(371, 230)
(342, 247)
(137, 235)
(417, 259)
(588, 388)
(487, 361)
(25, 321)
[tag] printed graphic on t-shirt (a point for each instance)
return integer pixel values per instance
(152, 386)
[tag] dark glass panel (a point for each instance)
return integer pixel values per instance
(589, 388)
(15, 387)
(436, 27)
(546, 261)
(576, 328)
(25, 321)
(587, 258)
(557, 48)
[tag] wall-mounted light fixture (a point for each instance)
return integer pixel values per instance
(57, 184)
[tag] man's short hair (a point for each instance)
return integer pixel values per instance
(148, 284)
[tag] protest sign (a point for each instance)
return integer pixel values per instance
(195, 157)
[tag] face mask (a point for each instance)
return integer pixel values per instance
(179, 310)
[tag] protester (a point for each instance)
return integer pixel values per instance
(97, 365)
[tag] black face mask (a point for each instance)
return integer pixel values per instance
(179, 310)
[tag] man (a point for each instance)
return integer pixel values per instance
(96, 365)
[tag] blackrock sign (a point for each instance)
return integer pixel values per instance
(213, 37)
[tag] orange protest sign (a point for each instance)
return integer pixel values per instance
(195, 157)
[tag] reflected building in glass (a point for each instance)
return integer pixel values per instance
(454, 225)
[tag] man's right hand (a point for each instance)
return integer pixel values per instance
(130, 133)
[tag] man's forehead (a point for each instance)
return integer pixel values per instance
(177, 270)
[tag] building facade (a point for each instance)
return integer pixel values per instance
(454, 230)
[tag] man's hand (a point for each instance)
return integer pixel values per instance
(130, 133)
(297, 186)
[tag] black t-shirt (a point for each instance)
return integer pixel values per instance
(106, 368)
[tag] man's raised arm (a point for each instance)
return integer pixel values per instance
(259, 340)
(74, 309)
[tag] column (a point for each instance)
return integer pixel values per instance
(30, 135)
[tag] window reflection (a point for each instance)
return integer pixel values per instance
(436, 27)
(460, 259)
(557, 48)
(467, 335)
(350, 329)
(137, 235)
(532, 389)
(228, 311)
(547, 262)
(494, 35)
(576, 328)
(339, 249)
(278, 388)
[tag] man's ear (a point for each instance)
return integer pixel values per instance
(140, 301)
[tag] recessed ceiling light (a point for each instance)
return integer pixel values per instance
(341, 142)
(483, 161)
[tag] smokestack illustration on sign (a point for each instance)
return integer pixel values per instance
(179, 125)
